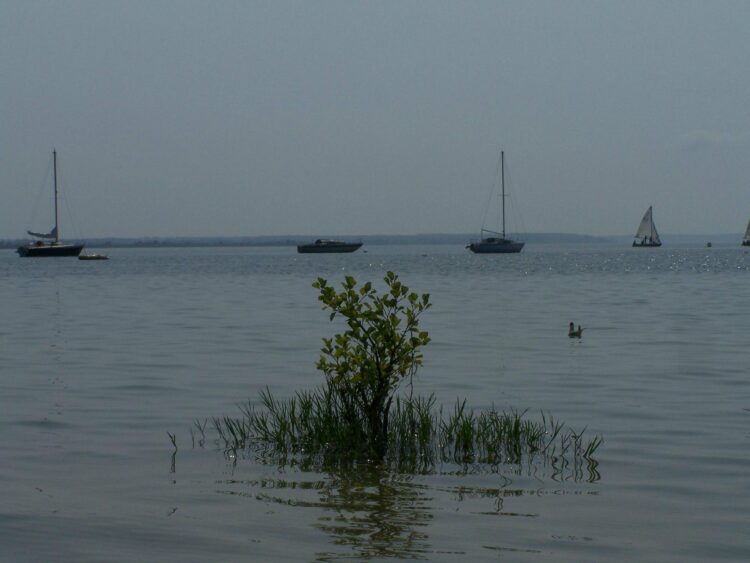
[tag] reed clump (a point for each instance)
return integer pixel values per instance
(318, 427)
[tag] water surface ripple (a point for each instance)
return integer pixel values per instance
(99, 360)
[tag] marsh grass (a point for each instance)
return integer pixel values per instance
(322, 428)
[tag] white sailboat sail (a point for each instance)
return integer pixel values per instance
(655, 236)
(647, 230)
(747, 232)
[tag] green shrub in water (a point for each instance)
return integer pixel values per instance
(380, 348)
(357, 416)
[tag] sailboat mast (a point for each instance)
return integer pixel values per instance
(54, 168)
(502, 183)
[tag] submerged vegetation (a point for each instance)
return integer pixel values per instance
(357, 415)
(310, 429)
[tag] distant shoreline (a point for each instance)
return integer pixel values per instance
(422, 239)
(294, 240)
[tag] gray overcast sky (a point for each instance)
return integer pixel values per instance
(250, 118)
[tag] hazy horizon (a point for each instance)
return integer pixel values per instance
(190, 119)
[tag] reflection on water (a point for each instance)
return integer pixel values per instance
(375, 514)
(370, 511)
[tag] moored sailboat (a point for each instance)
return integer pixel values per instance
(492, 242)
(646, 235)
(49, 244)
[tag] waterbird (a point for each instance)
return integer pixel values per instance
(573, 333)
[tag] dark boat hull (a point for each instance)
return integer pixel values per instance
(49, 250)
(746, 243)
(328, 248)
(496, 246)
(646, 244)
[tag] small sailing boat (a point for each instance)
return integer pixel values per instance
(746, 238)
(646, 235)
(498, 244)
(49, 244)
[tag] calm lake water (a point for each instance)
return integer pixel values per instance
(99, 360)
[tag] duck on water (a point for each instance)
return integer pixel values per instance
(573, 332)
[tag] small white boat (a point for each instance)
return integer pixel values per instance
(93, 257)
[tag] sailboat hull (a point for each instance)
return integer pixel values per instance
(646, 244)
(49, 250)
(746, 243)
(496, 246)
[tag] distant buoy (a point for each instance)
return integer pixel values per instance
(709, 245)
